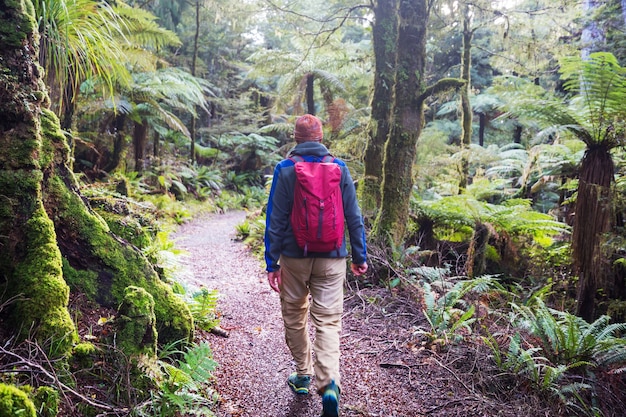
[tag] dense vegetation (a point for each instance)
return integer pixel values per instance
(486, 139)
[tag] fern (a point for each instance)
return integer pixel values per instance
(448, 313)
(568, 339)
(198, 363)
(202, 307)
(182, 389)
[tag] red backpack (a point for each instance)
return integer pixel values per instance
(317, 215)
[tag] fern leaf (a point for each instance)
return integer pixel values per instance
(198, 363)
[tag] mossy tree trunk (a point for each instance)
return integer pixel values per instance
(194, 61)
(384, 37)
(407, 118)
(30, 260)
(406, 125)
(466, 107)
(48, 234)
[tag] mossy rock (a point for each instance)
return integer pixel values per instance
(136, 323)
(15, 402)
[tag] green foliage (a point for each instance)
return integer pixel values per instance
(250, 198)
(246, 153)
(559, 346)
(46, 401)
(252, 231)
(182, 389)
(163, 254)
(449, 314)
(568, 339)
(203, 307)
(595, 116)
(455, 217)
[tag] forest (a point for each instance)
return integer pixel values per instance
(485, 137)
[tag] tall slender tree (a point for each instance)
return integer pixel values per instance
(409, 94)
(384, 39)
(466, 107)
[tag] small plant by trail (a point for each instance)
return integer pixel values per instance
(560, 353)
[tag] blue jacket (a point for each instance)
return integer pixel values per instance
(279, 238)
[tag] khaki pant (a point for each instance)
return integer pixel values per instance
(323, 279)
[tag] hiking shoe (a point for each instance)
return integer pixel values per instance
(299, 384)
(330, 400)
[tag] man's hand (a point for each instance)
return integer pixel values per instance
(274, 279)
(359, 269)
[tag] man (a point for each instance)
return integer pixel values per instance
(296, 273)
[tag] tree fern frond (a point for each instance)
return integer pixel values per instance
(141, 28)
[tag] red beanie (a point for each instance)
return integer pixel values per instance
(308, 129)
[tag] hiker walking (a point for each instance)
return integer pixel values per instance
(311, 199)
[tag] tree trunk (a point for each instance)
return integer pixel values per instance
(400, 149)
(192, 129)
(517, 134)
(466, 107)
(482, 120)
(592, 219)
(69, 105)
(49, 236)
(384, 37)
(119, 144)
(156, 145)
(140, 138)
(30, 260)
(593, 37)
(310, 94)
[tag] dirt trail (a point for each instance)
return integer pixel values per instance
(383, 372)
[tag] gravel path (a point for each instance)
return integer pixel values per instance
(385, 371)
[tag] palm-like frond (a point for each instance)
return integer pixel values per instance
(142, 30)
(80, 39)
(459, 214)
(601, 85)
(596, 116)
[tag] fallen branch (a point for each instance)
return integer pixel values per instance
(36, 367)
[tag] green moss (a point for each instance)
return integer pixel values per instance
(118, 265)
(85, 281)
(127, 227)
(83, 355)
(53, 140)
(136, 331)
(84, 349)
(39, 276)
(18, 27)
(15, 402)
(46, 402)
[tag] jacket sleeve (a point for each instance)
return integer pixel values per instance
(354, 219)
(277, 218)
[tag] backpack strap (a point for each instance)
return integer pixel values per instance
(299, 158)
